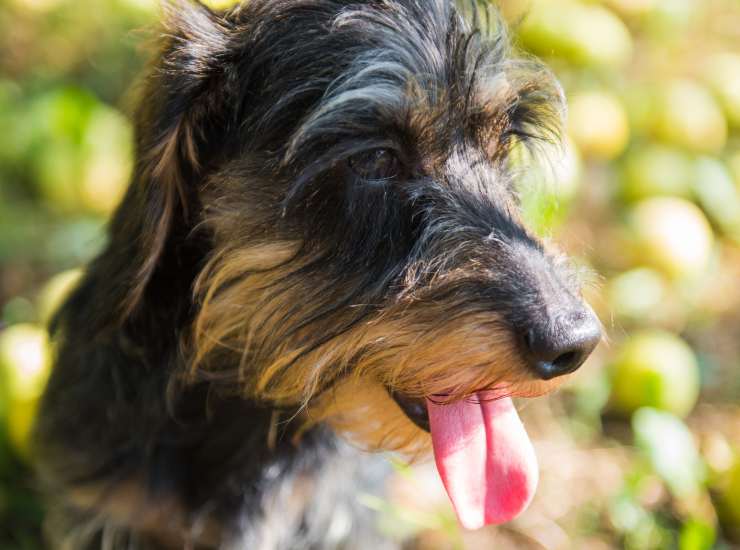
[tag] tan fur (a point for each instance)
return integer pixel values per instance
(345, 381)
(365, 413)
(164, 170)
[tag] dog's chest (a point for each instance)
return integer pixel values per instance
(316, 504)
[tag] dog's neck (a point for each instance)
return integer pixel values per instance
(216, 455)
(106, 422)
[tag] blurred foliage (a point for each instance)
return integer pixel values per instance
(645, 193)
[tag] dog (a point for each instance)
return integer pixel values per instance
(320, 254)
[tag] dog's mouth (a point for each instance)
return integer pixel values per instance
(482, 452)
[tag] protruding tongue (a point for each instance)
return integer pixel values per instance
(484, 457)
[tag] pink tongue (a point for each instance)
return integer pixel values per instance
(485, 459)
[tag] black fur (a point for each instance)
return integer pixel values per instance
(277, 104)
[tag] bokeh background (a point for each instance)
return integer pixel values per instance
(642, 449)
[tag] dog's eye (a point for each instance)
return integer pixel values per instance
(377, 164)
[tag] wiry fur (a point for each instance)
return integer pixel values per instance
(258, 296)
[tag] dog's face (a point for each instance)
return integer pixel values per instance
(349, 163)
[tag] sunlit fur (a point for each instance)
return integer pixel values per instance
(412, 346)
(260, 299)
(299, 325)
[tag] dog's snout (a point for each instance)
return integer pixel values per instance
(559, 346)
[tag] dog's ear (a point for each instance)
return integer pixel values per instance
(181, 103)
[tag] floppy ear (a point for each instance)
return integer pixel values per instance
(183, 97)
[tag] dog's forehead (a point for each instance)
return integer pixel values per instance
(317, 81)
(426, 70)
(434, 51)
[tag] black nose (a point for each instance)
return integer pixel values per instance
(560, 346)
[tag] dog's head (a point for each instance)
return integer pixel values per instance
(349, 163)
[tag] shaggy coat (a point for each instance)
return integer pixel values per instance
(321, 230)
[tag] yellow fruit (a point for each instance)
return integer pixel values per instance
(639, 101)
(733, 163)
(655, 369)
(598, 125)
(636, 294)
(633, 8)
(55, 291)
(688, 116)
(717, 194)
(672, 235)
(722, 73)
(25, 360)
(656, 170)
(108, 159)
(20, 422)
(670, 17)
(103, 183)
(728, 500)
(582, 34)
